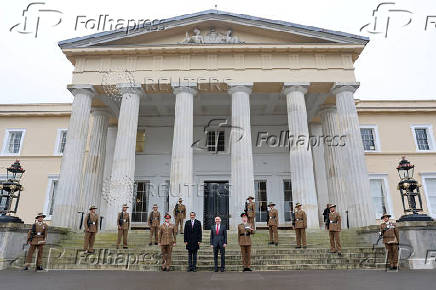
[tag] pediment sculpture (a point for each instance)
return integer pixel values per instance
(212, 36)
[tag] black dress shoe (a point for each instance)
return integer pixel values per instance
(276, 244)
(125, 247)
(189, 270)
(298, 247)
(245, 270)
(271, 243)
(339, 254)
(222, 269)
(26, 268)
(39, 268)
(249, 270)
(216, 270)
(155, 244)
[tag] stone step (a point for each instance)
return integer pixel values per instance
(229, 268)
(270, 250)
(68, 254)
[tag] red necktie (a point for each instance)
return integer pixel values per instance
(217, 229)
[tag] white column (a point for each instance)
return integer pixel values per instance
(94, 165)
(107, 172)
(333, 156)
(360, 206)
(242, 181)
(70, 180)
(301, 163)
(319, 170)
(123, 165)
(181, 155)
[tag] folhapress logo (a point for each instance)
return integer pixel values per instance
(35, 16)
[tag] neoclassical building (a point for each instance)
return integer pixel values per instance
(245, 77)
(214, 107)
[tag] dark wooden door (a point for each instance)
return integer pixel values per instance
(216, 203)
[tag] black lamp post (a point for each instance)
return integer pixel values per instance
(409, 190)
(10, 193)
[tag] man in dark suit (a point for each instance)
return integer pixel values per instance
(192, 234)
(218, 241)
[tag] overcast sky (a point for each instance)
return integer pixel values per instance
(399, 66)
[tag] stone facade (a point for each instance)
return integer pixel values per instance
(138, 113)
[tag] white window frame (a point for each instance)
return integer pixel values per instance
(58, 142)
(424, 176)
(50, 182)
(389, 204)
(6, 139)
(376, 137)
(215, 146)
(430, 135)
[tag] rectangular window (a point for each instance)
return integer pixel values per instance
(215, 141)
(378, 194)
(288, 203)
(140, 201)
(52, 195)
(261, 200)
(422, 138)
(13, 141)
(368, 139)
(430, 188)
(61, 141)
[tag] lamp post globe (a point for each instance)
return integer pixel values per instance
(410, 193)
(10, 193)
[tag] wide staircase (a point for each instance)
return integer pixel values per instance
(68, 254)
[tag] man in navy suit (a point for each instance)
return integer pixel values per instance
(218, 241)
(192, 235)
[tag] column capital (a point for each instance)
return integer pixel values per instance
(128, 88)
(344, 87)
(240, 87)
(84, 89)
(327, 108)
(101, 111)
(189, 88)
(293, 87)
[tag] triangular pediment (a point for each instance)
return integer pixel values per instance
(215, 27)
